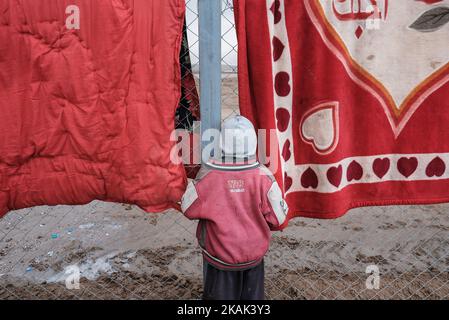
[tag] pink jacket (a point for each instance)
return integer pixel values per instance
(238, 205)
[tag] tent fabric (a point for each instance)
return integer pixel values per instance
(357, 93)
(87, 113)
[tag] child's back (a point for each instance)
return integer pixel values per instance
(238, 203)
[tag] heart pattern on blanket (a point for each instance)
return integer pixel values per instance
(286, 151)
(335, 175)
(381, 167)
(282, 84)
(309, 179)
(320, 127)
(407, 166)
(288, 182)
(355, 171)
(278, 48)
(283, 119)
(400, 84)
(436, 168)
(275, 9)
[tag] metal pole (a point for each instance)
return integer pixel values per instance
(210, 68)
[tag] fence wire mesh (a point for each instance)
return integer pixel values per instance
(120, 252)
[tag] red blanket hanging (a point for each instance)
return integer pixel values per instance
(87, 112)
(358, 94)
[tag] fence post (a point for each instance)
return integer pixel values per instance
(210, 67)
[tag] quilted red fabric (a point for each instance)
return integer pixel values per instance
(87, 113)
(358, 95)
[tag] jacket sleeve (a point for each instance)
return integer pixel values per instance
(274, 206)
(191, 203)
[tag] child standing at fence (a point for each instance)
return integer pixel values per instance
(237, 202)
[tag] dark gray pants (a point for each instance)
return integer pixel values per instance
(233, 285)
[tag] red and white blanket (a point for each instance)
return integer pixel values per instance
(358, 92)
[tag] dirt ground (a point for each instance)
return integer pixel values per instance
(124, 253)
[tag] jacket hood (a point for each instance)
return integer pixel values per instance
(238, 138)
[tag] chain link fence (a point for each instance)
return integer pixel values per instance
(119, 252)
